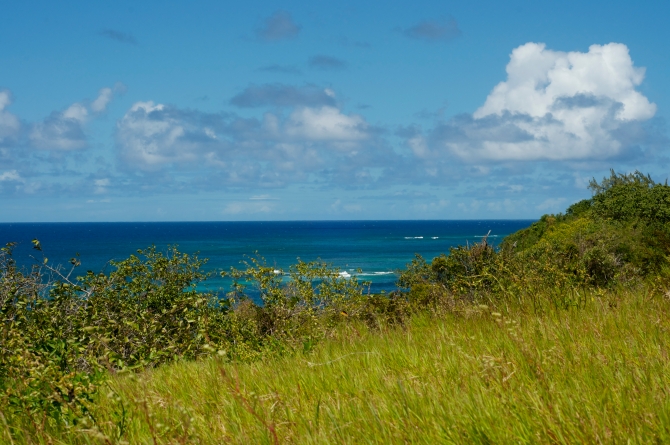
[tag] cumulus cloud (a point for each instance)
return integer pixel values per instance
(553, 106)
(280, 95)
(9, 124)
(100, 103)
(443, 30)
(11, 182)
(152, 135)
(64, 130)
(11, 176)
(326, 124)
(118, 36)
(310, 144)
(327, 63)
(279, 26)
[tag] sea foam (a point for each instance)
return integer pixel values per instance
(374, 274)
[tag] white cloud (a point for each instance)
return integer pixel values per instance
(9, 124)
(276, 150)
(11, 175)
(419, 146)
(538, 77)
(76, 112)
(100, 103)
(61, 131)
(101, 185)
(12, 182)
(555, 106)
(151, 135)
(326, 124)
(5, 99)
(64, 130)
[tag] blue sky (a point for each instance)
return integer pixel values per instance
(150, 111)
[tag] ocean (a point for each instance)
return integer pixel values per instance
(376, 248)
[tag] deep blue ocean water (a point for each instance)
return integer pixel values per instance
(377, 248)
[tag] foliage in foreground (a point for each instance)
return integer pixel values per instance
(595, 374)
(62, 338)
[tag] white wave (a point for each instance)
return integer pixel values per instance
(413, 237)
(434, 237)
(486, 236)
(345, 274)
(374, 274)
(277, 271)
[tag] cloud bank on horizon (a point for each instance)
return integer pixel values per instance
(553, 106)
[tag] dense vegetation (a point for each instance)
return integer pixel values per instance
(597, 374)
(619, 236)
(65, 342)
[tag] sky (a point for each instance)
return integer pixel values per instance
(348, 110)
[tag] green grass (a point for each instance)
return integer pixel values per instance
(595, 374)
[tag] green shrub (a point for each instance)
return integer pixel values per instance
(62, 337)
(619, 236)
(300, 305)
(626, 197)
(44, 373)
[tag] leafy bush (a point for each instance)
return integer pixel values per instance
(42, 374)
(301, 304)
(61, 337)
(619, 236)
(621, 233)
(626, 197)
(465, 271)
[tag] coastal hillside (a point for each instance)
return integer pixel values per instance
(622, 231)
(595, 374)
(559, 334)
(618, 237)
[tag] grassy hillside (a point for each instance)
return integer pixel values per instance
(597, 374)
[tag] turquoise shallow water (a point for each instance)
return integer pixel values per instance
(377, 248)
